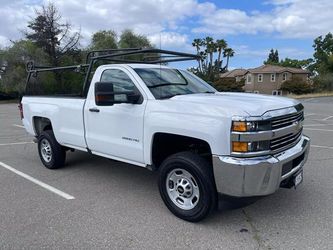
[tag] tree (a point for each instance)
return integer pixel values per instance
(54, 37)
(197, 43)
(108, 39)
(323, 82)
(323, 56)
(14, 61)
(273, 57)
(209, 49)
(129, 39)
(228, 52)
(104, 39)
(276, 56)
(296, 86)
(221, 45)
(295, 63)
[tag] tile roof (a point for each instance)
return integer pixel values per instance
(277, 69)
(234, 73)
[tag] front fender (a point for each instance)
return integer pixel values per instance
(213, 130)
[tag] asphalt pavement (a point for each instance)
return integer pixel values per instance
(96, 203)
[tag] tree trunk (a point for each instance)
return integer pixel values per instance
(226, 66)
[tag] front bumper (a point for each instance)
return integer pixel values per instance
(257, 176)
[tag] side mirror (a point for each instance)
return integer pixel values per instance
(106, 95)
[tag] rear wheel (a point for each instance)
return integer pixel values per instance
(187, 187)
(51, 153)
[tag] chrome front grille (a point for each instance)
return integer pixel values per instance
(286, 120)
(286, 141)
(276, 131)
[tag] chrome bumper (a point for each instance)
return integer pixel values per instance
(244, 177)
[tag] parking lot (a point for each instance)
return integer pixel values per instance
(95, 203)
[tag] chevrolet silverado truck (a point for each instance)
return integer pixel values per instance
(202, 142)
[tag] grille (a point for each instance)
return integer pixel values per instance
(287, 167)
(288, 140)
(286, 120)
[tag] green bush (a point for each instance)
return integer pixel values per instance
(229, 85)
(296, 86)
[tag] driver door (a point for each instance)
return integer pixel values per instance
(116, 131)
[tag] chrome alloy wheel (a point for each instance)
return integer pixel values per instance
(46, 151)
(182, 189)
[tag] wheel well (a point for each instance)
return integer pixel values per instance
(165, 144)
(41, 124)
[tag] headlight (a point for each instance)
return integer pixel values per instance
(250, 126)
(246, 147)
(244, 126)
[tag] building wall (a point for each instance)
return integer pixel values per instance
(267, 86)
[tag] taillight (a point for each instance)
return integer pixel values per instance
(20, 106)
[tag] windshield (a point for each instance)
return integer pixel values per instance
(166, 83)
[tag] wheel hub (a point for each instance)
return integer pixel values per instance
(46, 151)
(182, 189)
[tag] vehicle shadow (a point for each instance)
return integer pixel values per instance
(226, 203)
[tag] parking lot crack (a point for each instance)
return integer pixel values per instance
(256, 233)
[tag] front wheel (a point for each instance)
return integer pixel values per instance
(51, 153)
(187, 187)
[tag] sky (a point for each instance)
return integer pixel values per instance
(250, 27)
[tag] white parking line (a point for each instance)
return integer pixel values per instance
(318, 146)
(327, 118)
(39, 183)
(16, 143)
(319, 129)
(308, 125)
(19, 126)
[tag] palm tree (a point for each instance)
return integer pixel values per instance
(228, 52)
(197, 43)
(221, 45)
(211, 48)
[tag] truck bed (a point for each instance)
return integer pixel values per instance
(65, 114)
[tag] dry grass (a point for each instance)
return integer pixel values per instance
(313, 95)
(8, 101)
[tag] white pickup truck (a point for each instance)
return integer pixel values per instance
(202, 142)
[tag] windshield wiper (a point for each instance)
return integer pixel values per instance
(170, 96)
(166, 84)
(207, 92)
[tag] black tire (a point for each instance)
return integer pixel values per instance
(201, 170)
(57, 152)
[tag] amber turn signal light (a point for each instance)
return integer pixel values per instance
(239, 126)
(239, 147)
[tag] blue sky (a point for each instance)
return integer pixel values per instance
(251, 28)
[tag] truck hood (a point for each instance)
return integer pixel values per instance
(252, 104)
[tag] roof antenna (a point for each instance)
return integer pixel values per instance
(160, 58)
(160, 45)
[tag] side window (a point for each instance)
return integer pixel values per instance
(249, 78)
(260, 76)
(119, 79)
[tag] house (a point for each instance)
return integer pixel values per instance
(267, 79)
(239, 74)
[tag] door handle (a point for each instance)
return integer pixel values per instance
(96, 110)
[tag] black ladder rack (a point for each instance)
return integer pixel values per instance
(150, 56)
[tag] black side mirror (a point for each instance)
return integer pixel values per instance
(107, 95)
